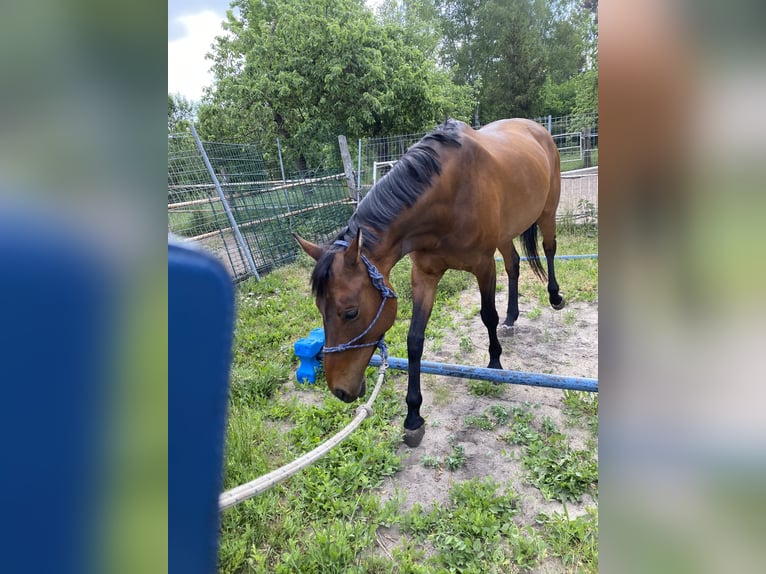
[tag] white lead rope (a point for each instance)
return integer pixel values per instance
(252, 488)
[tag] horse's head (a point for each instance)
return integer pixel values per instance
(357, 305)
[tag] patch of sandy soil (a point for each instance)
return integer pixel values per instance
(560, 342)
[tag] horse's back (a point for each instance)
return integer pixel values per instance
(516, 170)
(519, 136)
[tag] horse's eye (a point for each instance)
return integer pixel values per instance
(350, 315)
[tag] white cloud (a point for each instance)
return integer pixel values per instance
(188, 70)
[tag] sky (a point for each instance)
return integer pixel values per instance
(192, 27)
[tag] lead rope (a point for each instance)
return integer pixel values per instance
(252, 488)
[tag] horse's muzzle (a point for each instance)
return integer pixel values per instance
(344, 396)
(347, 398)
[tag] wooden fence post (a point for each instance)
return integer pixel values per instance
(348, 166)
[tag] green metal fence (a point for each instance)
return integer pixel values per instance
(266, 207)
(575, 136)
(229, 200)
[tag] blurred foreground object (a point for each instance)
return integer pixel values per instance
(682, 456)
(200, 329)
(55, 340)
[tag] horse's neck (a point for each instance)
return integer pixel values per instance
(385, 259)
(396, 242)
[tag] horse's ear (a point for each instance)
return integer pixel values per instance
(313, 250)
(353, 252)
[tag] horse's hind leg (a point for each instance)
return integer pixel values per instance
(511, 259)
(487, 278)
(547, 226)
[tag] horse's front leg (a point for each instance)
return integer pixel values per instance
(423, 293)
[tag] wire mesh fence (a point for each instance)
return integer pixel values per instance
(265, 207)
(576, 136)
(579, 197)
(244, 209)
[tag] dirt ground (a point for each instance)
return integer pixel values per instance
(559, 342)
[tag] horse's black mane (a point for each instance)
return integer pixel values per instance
(397, 190)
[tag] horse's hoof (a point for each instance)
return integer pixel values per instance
(560, 305)
(412, 438)
(509, 322)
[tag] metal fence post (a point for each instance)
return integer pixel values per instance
(281, 163)
(550, 124)
(225, 204)
(284, 182)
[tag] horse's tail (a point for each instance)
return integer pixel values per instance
(529, 247)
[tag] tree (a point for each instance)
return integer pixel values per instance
(572, 85)
(419, 19)
(586, 93)
(564, 57)
(521, 57)
(460, 29)
(182, 154)
(180, 113)
(514, 66)
(496, 47)
(308, 70)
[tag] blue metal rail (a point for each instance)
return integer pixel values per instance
(585, 256)
(495, 375)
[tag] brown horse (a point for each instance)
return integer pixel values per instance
(453, 199)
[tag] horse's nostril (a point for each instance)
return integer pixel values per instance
(341, 394)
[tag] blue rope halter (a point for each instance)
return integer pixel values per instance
(379, 283)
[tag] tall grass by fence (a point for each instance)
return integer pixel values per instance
(267, 204)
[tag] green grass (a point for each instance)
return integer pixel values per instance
(192, 223)
(481, 422)
(467, 533)
(454, 460)
(327, 518)
(559, 471)
(577, 278)
(430, 461)
(582, 409)
(579, 163)
(575, 541)
(486, 388)
(491, 418)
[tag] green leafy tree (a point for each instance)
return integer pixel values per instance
(586, 91)
(459, 51)
(419, 19)
(496, 47)
(565, 57)
(308, 70)
(180, 113)
(514, 62)
(572, 83)
(182, 157)
(521, 57)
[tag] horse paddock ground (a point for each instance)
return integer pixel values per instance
(468, 498)
(557, 342)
